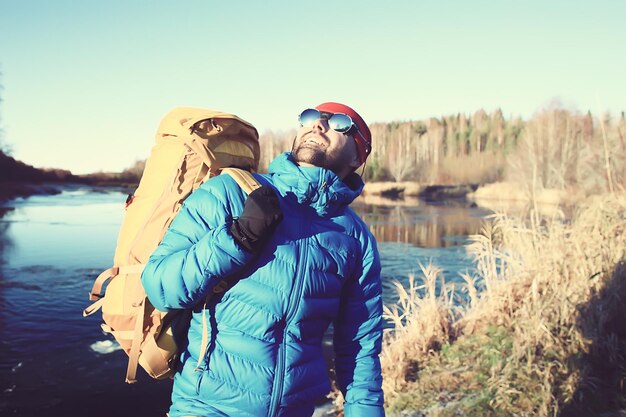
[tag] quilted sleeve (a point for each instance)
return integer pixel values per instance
(358, 338)
(195, 254)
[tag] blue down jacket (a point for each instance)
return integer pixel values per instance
(264, 356)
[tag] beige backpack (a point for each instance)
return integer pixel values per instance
(192, 145)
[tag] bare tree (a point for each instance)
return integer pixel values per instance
(400, 162)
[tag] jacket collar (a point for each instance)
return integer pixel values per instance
(316, 187)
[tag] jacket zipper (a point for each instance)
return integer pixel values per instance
(200, 371)
(277, 391)
(202, 364)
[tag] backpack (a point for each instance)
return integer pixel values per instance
(192, 145)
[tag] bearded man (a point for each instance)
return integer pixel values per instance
(302, 260)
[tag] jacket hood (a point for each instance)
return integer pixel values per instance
(319, 188)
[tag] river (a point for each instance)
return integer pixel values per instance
(54, 362)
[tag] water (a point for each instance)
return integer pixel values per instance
(54, 362)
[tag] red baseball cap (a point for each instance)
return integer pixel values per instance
(363, 138)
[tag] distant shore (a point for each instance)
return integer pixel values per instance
(18, 179)
(494, 196)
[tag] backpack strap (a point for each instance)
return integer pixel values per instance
(133, 355)
(248, 183)
(205, 153)
(244, 179)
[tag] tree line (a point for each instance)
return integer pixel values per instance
(555, 148)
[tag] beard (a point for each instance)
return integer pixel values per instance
(334, 159)
(308, 154)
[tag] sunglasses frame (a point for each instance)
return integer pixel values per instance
(328, 116)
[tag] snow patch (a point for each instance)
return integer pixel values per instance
(105, 346)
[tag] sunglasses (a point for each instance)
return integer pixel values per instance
(338, 122)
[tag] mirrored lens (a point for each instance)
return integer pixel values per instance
(340, 122)
(308, 117)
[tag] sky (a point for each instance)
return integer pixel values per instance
(84, 84)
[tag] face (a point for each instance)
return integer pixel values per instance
(321, 146)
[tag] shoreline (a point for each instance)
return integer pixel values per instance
(11, 190)
(495, 196)
(409, 189)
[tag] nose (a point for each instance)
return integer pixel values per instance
(321, 125)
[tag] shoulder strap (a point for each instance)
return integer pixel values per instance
(248, 183)
(244, 179)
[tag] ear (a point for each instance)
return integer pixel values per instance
(355, 162)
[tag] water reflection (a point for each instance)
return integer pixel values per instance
(411, 233)
(423, 224)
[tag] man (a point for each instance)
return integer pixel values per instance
(300, 259)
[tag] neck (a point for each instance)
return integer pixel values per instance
(342, 175)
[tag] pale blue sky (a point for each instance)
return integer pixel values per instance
(85, 83)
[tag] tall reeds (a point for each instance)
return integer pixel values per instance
(414, 337)
(539, 332)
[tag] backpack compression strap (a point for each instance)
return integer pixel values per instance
(96, 291)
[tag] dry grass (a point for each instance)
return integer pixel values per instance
(541, 331)
(476, 168)
(415, 338)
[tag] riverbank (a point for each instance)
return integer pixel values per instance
(498, 196)
(18, 179)
(540, 332)
(410, 189)
(11, 190)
